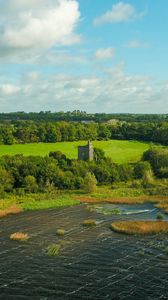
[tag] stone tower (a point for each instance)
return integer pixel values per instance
(86, 152)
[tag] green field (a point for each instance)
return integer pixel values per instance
(119, 151)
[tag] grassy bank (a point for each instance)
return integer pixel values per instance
(119, 151)
(15, 204)
(120, 194)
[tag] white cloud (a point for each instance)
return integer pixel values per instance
(38, 24)
(9, 89)
(112, 91)
(105, 53)
(120, 12)
(137, 44)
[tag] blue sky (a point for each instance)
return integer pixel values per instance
(92, 55)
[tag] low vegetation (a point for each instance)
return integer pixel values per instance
(41, 202)
(19, 236)
(10, 211)
(163, 205)
(140, 227)
(104, 210)
(159, 217)
(53, 249)
(89, 223)
(60, 232)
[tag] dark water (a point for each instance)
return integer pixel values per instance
(94, 263)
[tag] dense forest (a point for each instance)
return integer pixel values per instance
(51, 132)
(42, 174)
(78, 115)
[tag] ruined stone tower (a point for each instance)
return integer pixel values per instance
(86, 152)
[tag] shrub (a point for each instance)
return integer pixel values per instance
(148, 179)
(90, 183)
(140, 169)
(30, 184)
(159, 217)
(19, 236)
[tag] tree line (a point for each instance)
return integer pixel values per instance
(51, 132)
(77, 115)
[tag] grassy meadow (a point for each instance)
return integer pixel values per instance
(119, 151)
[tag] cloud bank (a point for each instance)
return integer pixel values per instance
(38, 24)
(111, 91)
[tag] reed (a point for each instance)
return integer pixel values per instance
(140, 227)
(164, 206)
(53, 249)
(10, 211)
(89, 223)
(19, 236)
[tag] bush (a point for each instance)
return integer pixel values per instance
(140, 169)
(90, 183)
(30, 184)
(159, 217)
(148, 179)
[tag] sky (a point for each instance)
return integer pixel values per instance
(90, 55)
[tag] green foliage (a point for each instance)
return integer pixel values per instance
(90, 183)
(158, 159)
(60, 232)
(6, 180)
(53, 249)
(148, 179)
(99, 154)
(125, 172)
(30, 184)
(46, 202)
(141, 168)
(159, 217)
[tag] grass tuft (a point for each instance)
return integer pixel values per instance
(60, 232)
(140, 227)
(53, 249)
(89, 223)
(19, 236)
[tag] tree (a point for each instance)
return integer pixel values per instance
(141, 168)
(99, 154)
(90, 183)
(6, 180)
(148, 179)
(30, 184)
